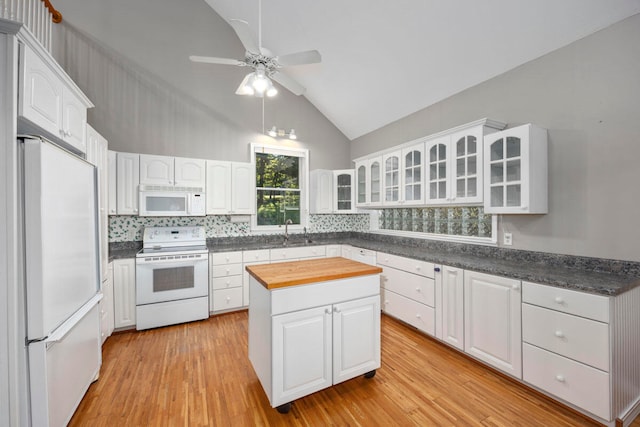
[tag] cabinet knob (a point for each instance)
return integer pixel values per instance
(559, 300)
(515, 287)
(327, 310)
(418, 316)
(418, 267)
(386, 302)
(336, 310)
(437, 269)
(560, 378)
(417, 288)
(559, 334)
(228, 299)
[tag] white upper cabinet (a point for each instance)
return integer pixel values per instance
(156, 170)
(127, 182)
(190, 172)
(368, 174)
(174, 171)
(49, 102)
(391, 178)
(332, 191)
(97, 155)
(403, 182)
(343, 191)
(455, 163)
(230, 188)
(321, 198)
(111, 176)
(516, 173)
(412, 167)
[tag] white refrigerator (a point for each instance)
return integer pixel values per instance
(61, 280)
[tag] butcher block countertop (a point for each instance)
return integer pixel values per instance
(282, 274)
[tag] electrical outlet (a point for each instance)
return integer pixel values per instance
(507, 239)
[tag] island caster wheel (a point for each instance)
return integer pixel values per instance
(370, 374)
(284, 409)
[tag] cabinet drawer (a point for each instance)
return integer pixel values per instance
(222, 258)
(364, 255)
(415, 314)
(418, 288)
(260, 255)
(283, 254)
(226, 270)
(414, 266)
(591, 306)
(581, 339)
(226, 282)
(574, 382)
(226, 299)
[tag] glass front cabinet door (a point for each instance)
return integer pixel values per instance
(343, 191)
(368, 182)
(412, 166)
(391, 176)
(516, 171)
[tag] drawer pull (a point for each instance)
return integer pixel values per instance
(559, 300)
(559, 334)
(560, 378)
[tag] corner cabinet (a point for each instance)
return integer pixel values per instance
(230, 188)
(516, 172)
(332, 191)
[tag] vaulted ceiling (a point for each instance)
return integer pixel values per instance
(383, 60)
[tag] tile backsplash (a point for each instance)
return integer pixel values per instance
(124, 228)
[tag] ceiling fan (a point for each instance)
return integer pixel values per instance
(266, 66)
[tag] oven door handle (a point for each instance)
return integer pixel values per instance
(141, 262)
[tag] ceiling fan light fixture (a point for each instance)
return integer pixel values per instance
(260, 82)
(271, 90)
(246, 88)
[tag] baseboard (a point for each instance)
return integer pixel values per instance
(630, 416)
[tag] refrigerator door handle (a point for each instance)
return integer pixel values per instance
(60, 332)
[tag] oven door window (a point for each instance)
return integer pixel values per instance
(171, 279)
(166, 203)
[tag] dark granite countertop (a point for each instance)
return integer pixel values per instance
(594, 275)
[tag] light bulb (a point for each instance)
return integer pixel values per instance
(260, 82)
(272, 91)
(273, 132)
(292, 134)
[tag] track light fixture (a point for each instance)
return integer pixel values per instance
(281, 133)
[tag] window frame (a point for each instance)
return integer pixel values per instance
(303, 179)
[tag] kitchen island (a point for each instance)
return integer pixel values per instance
(312, 324)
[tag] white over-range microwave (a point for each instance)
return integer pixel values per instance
(171, 201)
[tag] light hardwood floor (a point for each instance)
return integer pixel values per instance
(199, 374)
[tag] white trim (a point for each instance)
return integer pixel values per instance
(303, 154)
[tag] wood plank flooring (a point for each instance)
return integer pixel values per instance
(199, 374)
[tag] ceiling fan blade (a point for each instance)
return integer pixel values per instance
(214, 60)
(288, 83)
(300, 58)
(245, 35)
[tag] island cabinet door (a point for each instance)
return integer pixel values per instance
(356, 338)
(302, 355)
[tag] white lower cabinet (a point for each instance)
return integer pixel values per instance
(225, 281)
(450, 305)
(567, 345)
(298, 348)
(107, 305)
(492, 321)
(124, 293)
(408, 290)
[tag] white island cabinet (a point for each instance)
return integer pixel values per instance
(312, 324)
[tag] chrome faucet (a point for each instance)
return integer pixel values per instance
(286, 231)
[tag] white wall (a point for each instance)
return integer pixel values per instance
(131, 59)
(587, 95)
